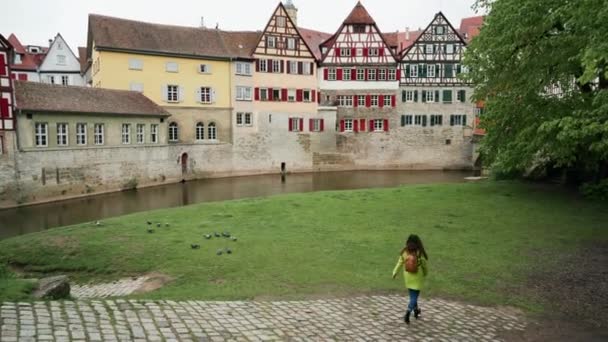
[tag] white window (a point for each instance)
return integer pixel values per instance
(264, 94)
(378, 125)
(382, 75)
(348, 125)
(41, 131)
(345, 100)
(306, 95)
(244, 119)
(243, 93)
(154, 133)
(51, 79)
(360, 74)
(65, 80)
(173, 132)
(291, 43)
(429, 49)
(449, 48)
(239, 119)
(248, 119)
(371, 74)
(293, 67)
(430, 96)
(409, 96)
(126, 134)
(295, 125)
(62, 134)
(346, 74)
(98, 134)
(306, 69)
(205, 95)
(439, 30)
(263, 65)
(204, 69)
(81, 134)
(387, 100)
(317, 125)
(171, 67)
(414, 70)
(332, 74)
(374, 101)
(200, 130)
(361, 100)
(212, 132)
(271, 42)
(141, 133)
(291, 95)
(373, 52)
(430, 70)
(345, 52)
(276, 66)
(172, 93)
(243, 68)
(134, 86)
(281, 21)
(136, 64)
(60, 60)
(392, 74)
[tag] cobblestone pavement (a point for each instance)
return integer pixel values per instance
(122, 287)
(349, 319)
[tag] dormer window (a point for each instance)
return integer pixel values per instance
(359, 28)
(17, 58)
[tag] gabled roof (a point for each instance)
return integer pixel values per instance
(52, 51)
(421, 34)
(5, 43)
(82, 58)
(83, 100)
(314, 39)
(29, 61)
(240, 44)
(16, 43)
(129, 35)
(402, 40)
(359, 15)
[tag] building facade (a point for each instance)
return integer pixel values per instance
(60, 65)
(7, 117)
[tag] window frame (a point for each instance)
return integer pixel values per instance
(345, 52)
(414, 70)
(41, 134)
(263, 65)
(430, 96)
(382, 75)
(374, 100)
(63, 134)
(276, 66)
(81, 134)
(360, 74)
(212, 131)
(199, 131)
(392, 74)
(172, 67)
(243, 93)
(331, 74)
(291, 43)
(154, 133)
(125, 134)
(140, 134)
(172, 93)
(348, 125)
(173, 130)
(345, 101)
(371, 74)
(361, 101)
(378, 125)
(373, 52)
(346, 74)
(388, 100)
(205, 95)
(99, 134)
(409, 96)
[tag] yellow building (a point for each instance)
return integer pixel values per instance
(184, 69)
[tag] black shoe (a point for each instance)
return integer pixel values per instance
(406, 318)
(417, 312)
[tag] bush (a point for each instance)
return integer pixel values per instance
(598, 191)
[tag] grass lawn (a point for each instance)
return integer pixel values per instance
(483, 240)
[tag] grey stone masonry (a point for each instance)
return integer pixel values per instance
(376, 318)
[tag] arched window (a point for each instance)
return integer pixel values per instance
(173, 132)
(200, 131)
(212, 133)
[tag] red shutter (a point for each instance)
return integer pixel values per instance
(353, 52)
(362, 124)
(353, 74)
(371, 125)
(310, 125)
(257, 65)
(341, 125)
(282, 67)
(290, 124)
(322, 125)
(313, 96)
(398, 74)
(270, 94)
(284, 94)
(355, 101)
(256, 94)
(325, 74)
(299, 95)
(289, 67)
(300, 68)
(381, 51)
(339, 74)
(381, 101)
(319, 98)
(2, 66)
(337, 52)
(365, 52)
(355, 126)
(269, 67)
(368, 101)
(4, 108)
(301, 125)
(22, 77)
(386, 125)
(13, 76)
(393, 100)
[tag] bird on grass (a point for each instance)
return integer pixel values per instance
(158, 225)
(97, 223)
(149, 223)
(150, 230)
(195, 246)
(219, 252)
(233, 238)
(226, 234)
(208, 236)
(216, 234)
(228, 251)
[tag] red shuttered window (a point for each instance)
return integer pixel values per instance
(362, 124)
(355, 126)
(270, 95)
(353, 74)
(301, 125)
(353, 52)
(311, 125)
(325, 74)
(2, 66)
(398, 74)
(365, 52)
(256, 93)
(339, 74)
(322, 125)
(284, 94)
(299, 95)
(342, 125)
(368, 101)
(290, 124)
(4, 108)
(313, 96)
(355, 101)
(22, 77)
(381, 101)
(337, 52)
(386, 125)
(393, 100)
(371, 125)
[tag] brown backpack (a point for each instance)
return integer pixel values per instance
(411, 263)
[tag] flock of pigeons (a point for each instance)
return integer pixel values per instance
(207, 236)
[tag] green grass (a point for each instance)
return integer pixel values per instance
(483, 241)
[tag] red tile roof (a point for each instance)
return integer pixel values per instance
(29, 61)
(359, 15)
(314, 39)
(82, 58)
(16, 43)
(240, 44)
(400, 40)
(469, 27)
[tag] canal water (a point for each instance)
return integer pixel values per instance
(35, 218)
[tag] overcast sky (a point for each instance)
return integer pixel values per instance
(35, 21)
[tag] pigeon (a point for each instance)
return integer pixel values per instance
(226, 234)
(217, 234)
(228, 251)
(195, 246)
(97, 223)
(158, 225)
(233, 238)
(208, 236)
(219, 252)
(149, 223)
(150, 230)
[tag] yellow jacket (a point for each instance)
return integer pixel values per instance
(414, 281)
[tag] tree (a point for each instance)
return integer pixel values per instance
(541, 68)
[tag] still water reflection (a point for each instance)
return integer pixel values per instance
(40, 217)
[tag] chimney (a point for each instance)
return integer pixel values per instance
(292, 11)
(50, 42)
(202, 22)
(407, 33)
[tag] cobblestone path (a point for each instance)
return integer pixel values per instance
(119, 288)
(377, 318)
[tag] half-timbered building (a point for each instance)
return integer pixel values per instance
(7, 119)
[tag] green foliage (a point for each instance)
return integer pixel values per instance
(526, 48)
(597, 191)
(11, 288)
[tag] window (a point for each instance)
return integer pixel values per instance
(281, 21)
(430, 96)
(60, 60)
(378, 125)
(461, 96)
(429, 49)
(458, 120)
(306, 69)
(126, 134)
(306, 95)
(98, 134)
(345, 101)
(373, 52)
(243, 93)
(371, 74)
(317, 126)
(264, 94)
(154, 133)
(200, 130)
(212, 132)
(136, 64)
(141, 131)
(59, 46)
(41, 134)
(62, 134)
(420, 120)
(172, 93)
(173, 132)
(81, 134)
(409, 96)
(374, 101)
(243, 68)
(171, 67)
(239, 119)
(51, 79)
(361, 100)
(332, 74)
(134, 86)
(345, 52)
(204, 68)
(360, 74)
(449, 48)
(65, 80)
(436, 120)
(205, 95)
(449, 70)
(359, 28)
(346, 74)
(414, 70)
(447, 96)
(291, 43)
(406, 120)
(276, 95)
(430, 70)
(348, 125)
(248, 119)
(263, 65)
(244, 119)
(392, 74)
(291, 95)
(382, 75)
(388, 100)
(439, 30)
(271, 42)
(276, 66)
(293, 67)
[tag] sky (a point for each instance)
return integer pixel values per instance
(36, 21)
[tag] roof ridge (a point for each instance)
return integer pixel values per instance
(154, 24)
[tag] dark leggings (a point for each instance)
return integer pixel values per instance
(413, 299)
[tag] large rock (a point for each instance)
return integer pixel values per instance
(53, 288)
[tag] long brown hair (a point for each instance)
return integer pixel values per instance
(414, 245)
